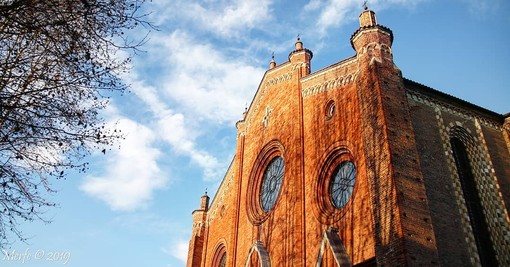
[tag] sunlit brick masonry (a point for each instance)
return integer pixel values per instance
(355, 165)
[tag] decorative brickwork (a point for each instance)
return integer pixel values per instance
(498, 220)
(483, 171)
(332, 84)
(463, 113)
(466, 226)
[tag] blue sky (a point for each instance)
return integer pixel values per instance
(133, 208)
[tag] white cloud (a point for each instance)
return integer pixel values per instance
(205, 81)
(236, 16)
(178, 249)
(132, 173)
(225, 18)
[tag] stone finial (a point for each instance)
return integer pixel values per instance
(299, 44)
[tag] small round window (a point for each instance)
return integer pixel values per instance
(342, 184)
(330, 109)
(271, 183)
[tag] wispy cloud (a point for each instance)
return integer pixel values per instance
(178, 249)
(173, 128)
(226, 18)
(131, 173)
(482, 8)
(204, 81)
(232, 17)
(335, 13)
(148, 224)
(332, 13)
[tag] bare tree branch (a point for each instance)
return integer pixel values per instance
(58, 65)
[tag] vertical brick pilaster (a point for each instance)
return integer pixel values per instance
(388, 234)
(402, 223)
(403, 229)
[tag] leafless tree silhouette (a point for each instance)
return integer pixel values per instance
(60, 61)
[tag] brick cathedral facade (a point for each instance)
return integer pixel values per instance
(354, 165)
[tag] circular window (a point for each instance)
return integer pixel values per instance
(342, 184)
(271, 183)
(335, 186)
(266, 182)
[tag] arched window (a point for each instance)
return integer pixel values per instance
(474, 206)
(223, 260)
(220, 256)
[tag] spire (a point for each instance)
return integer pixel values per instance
(272, 64)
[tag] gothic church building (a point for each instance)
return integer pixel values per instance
(354, 165)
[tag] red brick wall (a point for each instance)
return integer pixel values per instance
(500, 156)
